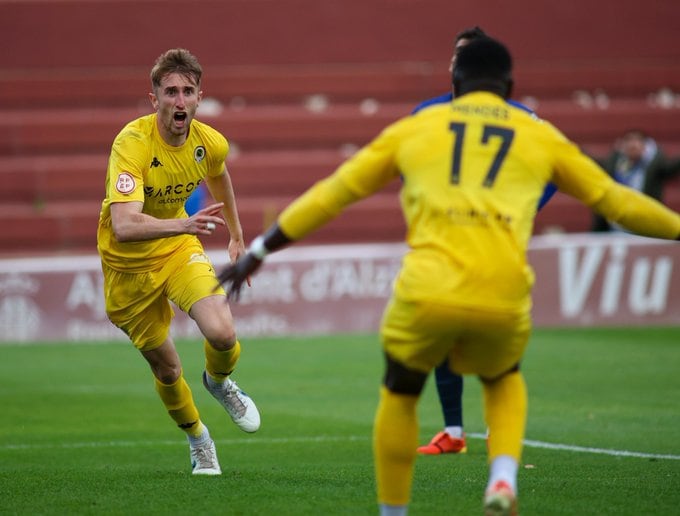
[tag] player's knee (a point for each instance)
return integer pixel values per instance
(402, 380)
(222, 341)
(491, 379)
(167, 374)
(220, 334)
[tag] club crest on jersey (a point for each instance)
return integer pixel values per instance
(199, 153)
(125, 183)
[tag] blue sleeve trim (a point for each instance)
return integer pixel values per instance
(441, 99)
(549, 191)
(520, 106)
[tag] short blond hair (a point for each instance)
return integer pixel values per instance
(176, 60)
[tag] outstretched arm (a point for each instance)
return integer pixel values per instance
(638, 213)
(360, 176)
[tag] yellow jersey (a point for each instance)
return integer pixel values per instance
(142, 167)
(472, 174)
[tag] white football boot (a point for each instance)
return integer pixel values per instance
(204, 459)
(240, 407)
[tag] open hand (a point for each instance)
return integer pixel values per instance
(205, 221)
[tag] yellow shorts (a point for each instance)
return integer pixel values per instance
(421, 335)
(139, 303)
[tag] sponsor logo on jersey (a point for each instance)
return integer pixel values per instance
(199, 153)
(179, 189)
(155, 163)
(125, 183)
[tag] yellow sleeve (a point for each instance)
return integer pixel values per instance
(638, 213)
(579, 176)
(362, 175)
(316, 207)
(574, 173)
(218, 153)
(126, 167)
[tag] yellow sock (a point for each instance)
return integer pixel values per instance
(505, 405)
(179, 402)
(220, 364)
(395, 439)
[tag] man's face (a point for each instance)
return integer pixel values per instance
(175, 102)
(459, 44)
(633, 146)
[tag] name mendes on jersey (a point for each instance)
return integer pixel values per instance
(498, 112)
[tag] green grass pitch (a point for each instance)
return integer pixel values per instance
(83, 431)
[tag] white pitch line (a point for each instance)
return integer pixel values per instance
(228, 442)
(600, 451)
(529, 443)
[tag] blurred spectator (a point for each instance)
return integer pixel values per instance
(638, 162)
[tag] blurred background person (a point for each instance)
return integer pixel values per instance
(637, 161)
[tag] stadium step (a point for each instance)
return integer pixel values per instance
(72, 225)
(278, 127)
(293, 126)
(408, 82)
(44, 178)
(237, 86)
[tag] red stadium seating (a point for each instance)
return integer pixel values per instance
(290, 123)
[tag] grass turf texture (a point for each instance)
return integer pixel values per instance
(83, 431)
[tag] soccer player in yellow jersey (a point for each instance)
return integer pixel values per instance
(151, 255)
(451, 439)
(472, 173)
